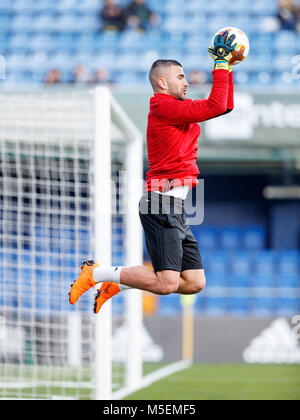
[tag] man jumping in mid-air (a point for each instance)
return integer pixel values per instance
(172, 140)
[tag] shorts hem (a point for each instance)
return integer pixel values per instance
(192, 268)
(168, 268)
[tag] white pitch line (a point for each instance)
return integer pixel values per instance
(153, 377)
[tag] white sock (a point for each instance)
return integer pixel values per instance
(110, 274)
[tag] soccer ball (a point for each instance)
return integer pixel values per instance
(242, 49)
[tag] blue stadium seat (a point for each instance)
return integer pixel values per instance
(196, 43)
(288, 263)
(243, 21)
(42, 43)
(127, 62)
(84, 249)
(68, 23)
(264, 280)
(41, 260)
(173, 7)
(206, 236)
(21, 23)
(173, 24)
(5, 22)
(26, 278)
(264, 270)
(264, 8)
(239, 306)
(89, 23)
(42, 301)
(254, 237)
(285, 40)
(117, 305)
(10, 258)
(289, 280)
(44, 23)
(68, 233)
(6, 6)
(191, 62)
(18, 43)
(14, 78)
(84, 235)
(26, 259)
(15, 62)
(10, 299)
(169, 305)
(241, 269)
(86, 42)
(264, 264)
(285, 79)
(195, 22)
(262, 42)
(11, 274)
(66, 6)
(217, 267)
(283, 62)
(4, 39)
(215, 305)
(230, 238)
(216, 280)
(88, 6)
(263, 78)
(218, 22)
(132, 40)
(23, 6)
(62, 60)
(26, 299)
(262, 306)
(45, 6)
(220, 261)
(298, 44)
(287, 306)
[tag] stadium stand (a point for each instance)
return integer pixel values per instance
(73, 27)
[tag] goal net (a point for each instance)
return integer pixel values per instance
(70, 180)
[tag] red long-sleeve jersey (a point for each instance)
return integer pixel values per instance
(173, 131)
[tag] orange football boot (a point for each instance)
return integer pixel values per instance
(106, 291)
(84, 282)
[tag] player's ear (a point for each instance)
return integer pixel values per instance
(162, 83)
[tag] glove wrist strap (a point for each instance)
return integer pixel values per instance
(221, 64)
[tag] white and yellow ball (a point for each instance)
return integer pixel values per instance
(242, 49)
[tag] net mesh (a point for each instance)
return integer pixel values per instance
(46, 229)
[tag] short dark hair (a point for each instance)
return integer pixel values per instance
(161, 63)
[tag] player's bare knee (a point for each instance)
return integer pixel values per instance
(195, 279)
(200, 284)
(168, 283)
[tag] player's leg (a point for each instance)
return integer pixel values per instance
(191, 282)
(192, 278)
(174, 254)
(139, 277)
(115, 279)
(161, 282)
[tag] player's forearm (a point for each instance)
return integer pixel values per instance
(230, 103)
(217, 102)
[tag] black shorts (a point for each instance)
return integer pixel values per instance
(169, 240)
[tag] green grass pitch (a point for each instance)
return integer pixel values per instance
(199, 382)
(227, 382)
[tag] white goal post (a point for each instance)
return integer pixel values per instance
(106, 108)
(71, 175)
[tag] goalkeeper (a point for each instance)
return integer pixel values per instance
(172, 141)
